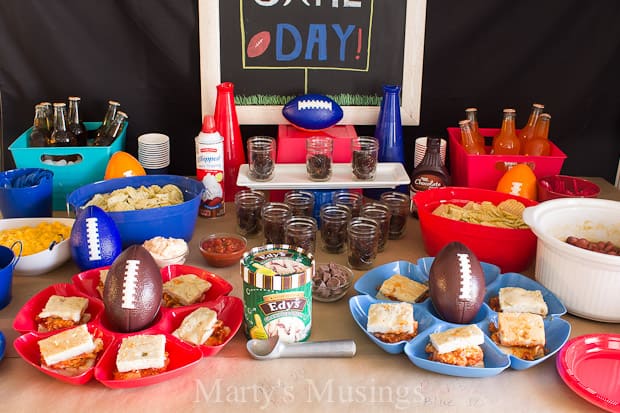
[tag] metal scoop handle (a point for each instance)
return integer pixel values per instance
(332, 348)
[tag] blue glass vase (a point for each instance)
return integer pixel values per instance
(389, 130)
(389, 133)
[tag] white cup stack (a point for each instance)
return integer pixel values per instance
(420, 150)
(154, 152)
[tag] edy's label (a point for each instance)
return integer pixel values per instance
(276, 313)
(277, 293)
(210, 171)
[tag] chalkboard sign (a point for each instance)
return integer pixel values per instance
(274, 50)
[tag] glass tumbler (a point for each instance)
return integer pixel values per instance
(351, 199)
(319, 157)
(300, 231)
(398, 203)
(275, 215)
(301, 202)
(334, 220)
(248, 205)
(261, 157)
(381, 214)
(363, 240)
(364, 157)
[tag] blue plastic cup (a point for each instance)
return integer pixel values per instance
(26, 193)
(8, 260)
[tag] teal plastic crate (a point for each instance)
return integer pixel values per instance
(86, 164)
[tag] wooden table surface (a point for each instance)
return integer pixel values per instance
(232, 381)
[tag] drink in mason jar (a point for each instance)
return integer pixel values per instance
(210, 168)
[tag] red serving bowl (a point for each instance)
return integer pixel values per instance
(563, 186)
(511, 249)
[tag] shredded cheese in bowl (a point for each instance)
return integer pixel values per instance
(37, 238)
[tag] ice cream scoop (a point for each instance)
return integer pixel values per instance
(274, 348)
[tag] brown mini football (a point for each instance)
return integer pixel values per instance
(133, 290)
(456, 283)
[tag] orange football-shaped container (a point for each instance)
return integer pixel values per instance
(519, 180)
(122, 164)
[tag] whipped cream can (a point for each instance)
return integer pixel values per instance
(210, 169)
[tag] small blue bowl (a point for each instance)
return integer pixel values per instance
(513, 279)
(135, 227)
(2, 345)
(370, 282)
(359, 306)
(557, 331)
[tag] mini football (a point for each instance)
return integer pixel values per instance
(94, 240)
(456, 283)
(133, 290)
(258, 44)
(312, 112)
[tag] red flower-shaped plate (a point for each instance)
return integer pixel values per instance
(590, 366)
(28, 348)
(182, 357)
(228, 309)
(25, 319)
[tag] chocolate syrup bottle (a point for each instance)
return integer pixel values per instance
(430, 172)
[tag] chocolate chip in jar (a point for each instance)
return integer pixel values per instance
(261, 157)
(274, 216)
(248, 204)
(363, 242)
(334, 221)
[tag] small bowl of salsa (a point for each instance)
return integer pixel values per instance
(222, 249)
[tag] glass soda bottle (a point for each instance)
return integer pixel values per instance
(507, 142)
(107, 121)
(472, 115)
(113, 131)
(470, 143)
(528, 130)
(430, 172)
(539, 144)
(75, 124)
(61, 136)
(49, 115)
(40, 133)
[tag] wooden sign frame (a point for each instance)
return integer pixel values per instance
(411, 88)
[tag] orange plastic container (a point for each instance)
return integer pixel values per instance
(484, 171)
(513, 250)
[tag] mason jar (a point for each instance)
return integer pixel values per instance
(300, 202)
(364, 157)
(261, 157)
(398, 203)
(319, 157)
(334, 220)
(363, 241)
(381, 214)
(275, 215)
(300, 231)
(248, 205)
(353, 200)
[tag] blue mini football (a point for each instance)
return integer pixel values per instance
(95, 239)
(312, 112)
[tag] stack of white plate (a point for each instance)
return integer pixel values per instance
(154, 151)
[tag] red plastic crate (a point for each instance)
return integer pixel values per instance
(291, 145)
(484, 171)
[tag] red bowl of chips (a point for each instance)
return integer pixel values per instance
(563, 186)
(512, 249)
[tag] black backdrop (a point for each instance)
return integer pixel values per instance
(486, 53)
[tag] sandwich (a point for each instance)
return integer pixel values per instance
(392, 322)
(519, 300)
(185, 290)
(519, 334)
(62, 312)
(201, 327)
(459, 346)
(103, 274)
(71, 352)
(400, 288)
(140, 356)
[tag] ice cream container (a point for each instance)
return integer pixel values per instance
(277, 292)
